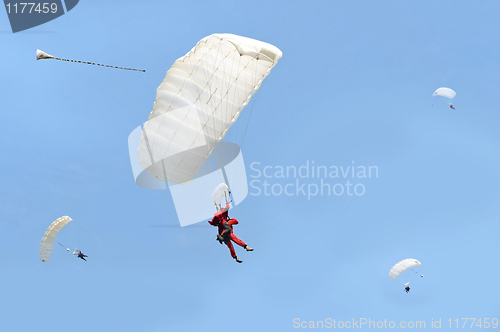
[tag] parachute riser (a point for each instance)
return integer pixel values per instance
(421, 275)
(67, 249)
(218, 207)
(230, 199)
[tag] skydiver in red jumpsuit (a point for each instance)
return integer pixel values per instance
(226, 235)
(451, 106)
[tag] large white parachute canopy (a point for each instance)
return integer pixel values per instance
(201, 97)
(50, 236)
(222, 190)
(402, 266)
(445, 92)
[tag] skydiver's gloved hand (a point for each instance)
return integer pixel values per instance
(220, 238)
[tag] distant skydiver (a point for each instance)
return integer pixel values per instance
(80, 254)
(445, 93)
(407, 287)
(225, 234)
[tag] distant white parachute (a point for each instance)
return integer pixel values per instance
(402, 266)
(50, 236)
(445, 92)
(201, 97)
(222, 190)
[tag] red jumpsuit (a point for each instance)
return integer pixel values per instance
(219, 219)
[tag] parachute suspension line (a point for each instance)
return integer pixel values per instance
(218, 68)
(226, 181)
(421, 275)
(230, 85)
(67, 249)
(231, 198)
(434, 98)
(249, 115)
(253, 103)
(43, 55)
(211, 95)
(239, 139)
(416, 272)
(245, 133)
(198, 99)
(222, 66)
(225, 196)
(254, 97)
(219, 65)
(226, 68)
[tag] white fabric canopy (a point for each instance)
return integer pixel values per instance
(200, 98)
(219, 192)
(50, 236)
(402, 266)
(445, 92)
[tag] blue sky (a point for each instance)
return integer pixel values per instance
(355, 85)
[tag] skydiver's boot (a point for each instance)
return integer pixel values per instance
(238, 260)
(247, 248)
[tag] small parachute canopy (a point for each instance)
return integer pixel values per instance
(50, 236)
(445, 92)
(199, 100)
(221, 191)
(402, 266)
